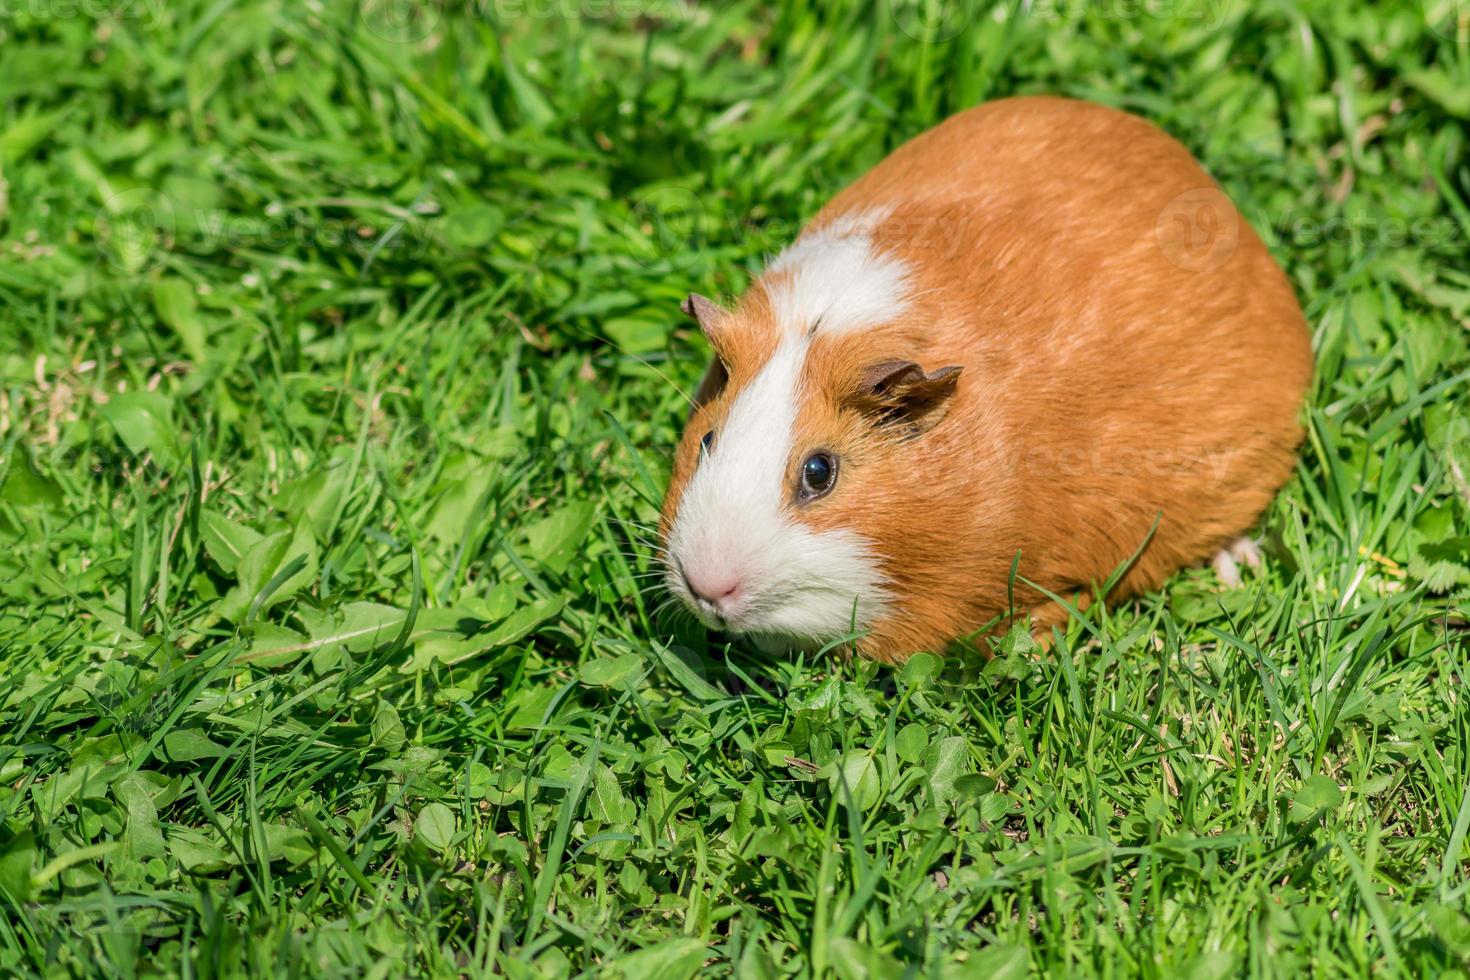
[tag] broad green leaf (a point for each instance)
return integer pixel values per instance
(1452, 93)
(72, 865)
(473, 226)
(605, 799)
(17, 865)
(861, 776)
(823, 698)
(356, 626)
(523, 622)
(1441, 565)
(188, 744)
(144, 422)
(460, 503)
(197, 852)
(286, 843)
(555, 539)
(920, 669)
(387, 729)
(974, 785)
(144, 837)
(225, 541)
(637, 334)
(852, 960)
(316, 496)
(673, 959)
(911, 741)
(528, 708)
(259, 566)
(946, 761)
(274, 646)
(25, 487)
(480, 779)
(610, 671)
(687, 668)
(435, 826)
(776, 753)
(1451, 927)
(1315, 794)
(497, 604)
(1001, 961)
(452, 647)
(177, 307)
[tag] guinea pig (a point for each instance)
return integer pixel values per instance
(1035, 353)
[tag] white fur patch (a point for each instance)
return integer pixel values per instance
(734, 522)
(836, 282)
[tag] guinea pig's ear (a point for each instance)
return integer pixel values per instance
(901, 395)
(706, 312)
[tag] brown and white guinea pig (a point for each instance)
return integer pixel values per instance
(1038, 329)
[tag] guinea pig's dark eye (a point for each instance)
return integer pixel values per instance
(708, 441)
(818, 475)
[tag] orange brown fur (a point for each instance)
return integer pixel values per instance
(1130, 357)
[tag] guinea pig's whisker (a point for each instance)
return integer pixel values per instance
(675, 612)
(649, 581)
(671, 604)
(646, 527)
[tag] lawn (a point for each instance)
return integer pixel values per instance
(340, 363)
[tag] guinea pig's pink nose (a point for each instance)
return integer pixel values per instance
(718, 590)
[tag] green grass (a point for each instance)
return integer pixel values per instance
(339, 355)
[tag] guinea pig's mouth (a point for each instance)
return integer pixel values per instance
(776, 610)
(704, 609)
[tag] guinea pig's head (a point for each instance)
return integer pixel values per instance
(793, 483)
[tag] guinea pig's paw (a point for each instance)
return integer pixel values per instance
(1227, 561)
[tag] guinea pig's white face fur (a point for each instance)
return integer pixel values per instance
(755, 539)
